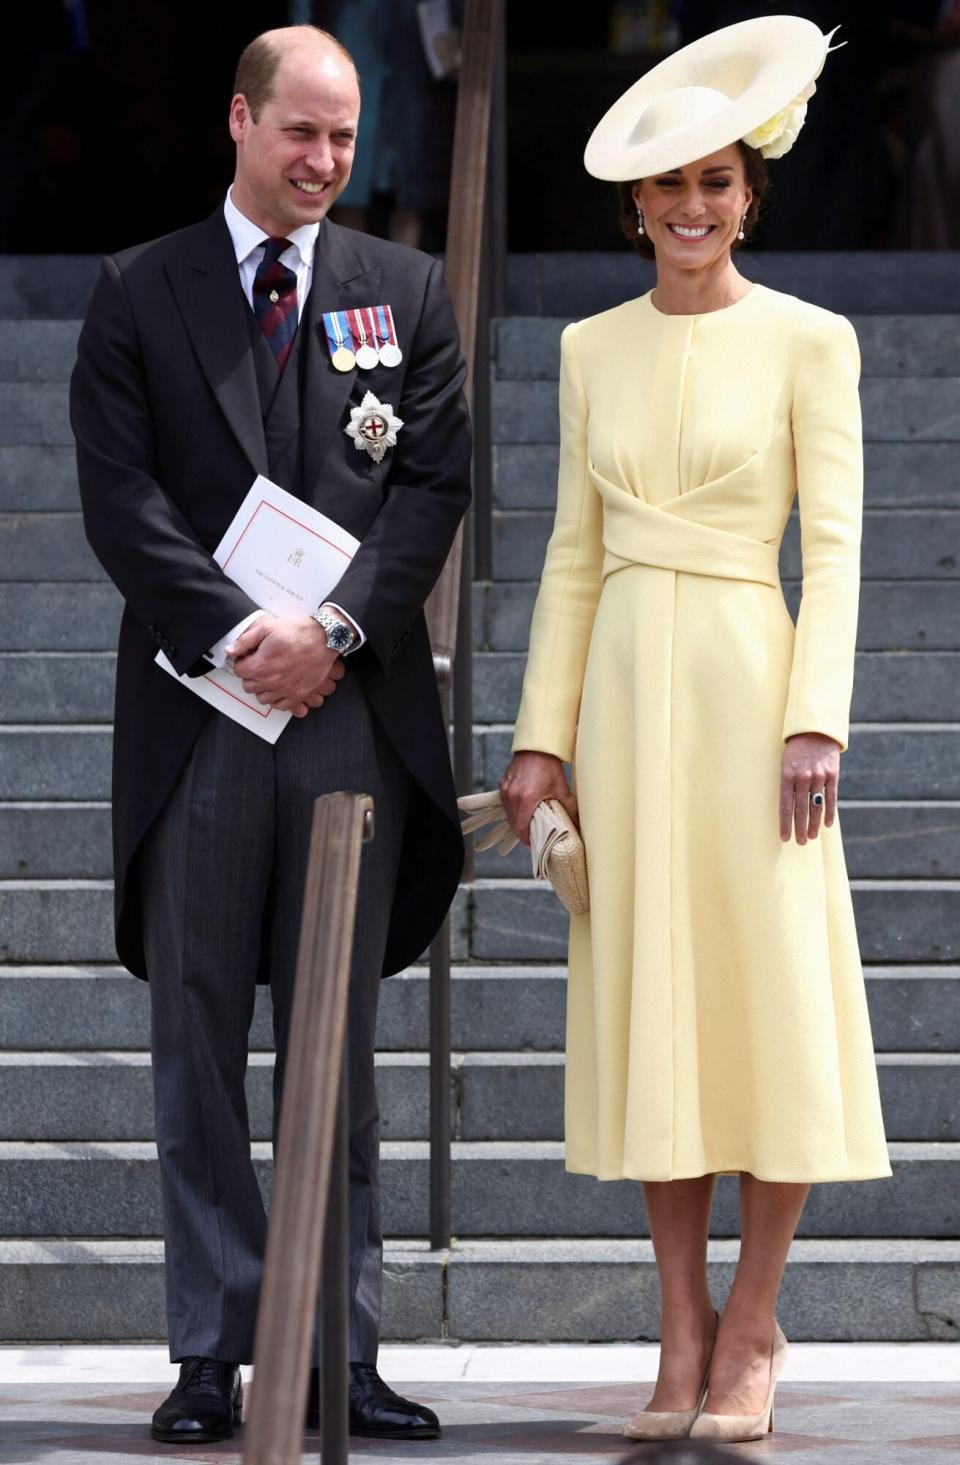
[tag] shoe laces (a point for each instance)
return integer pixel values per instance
(201, 1373)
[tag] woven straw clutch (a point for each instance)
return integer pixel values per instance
(556, 849)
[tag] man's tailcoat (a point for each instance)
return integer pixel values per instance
(167, 419)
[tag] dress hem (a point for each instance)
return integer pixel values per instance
(780, 1179)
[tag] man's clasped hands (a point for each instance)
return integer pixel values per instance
(285, 663)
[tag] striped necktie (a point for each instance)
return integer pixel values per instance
(275, 300)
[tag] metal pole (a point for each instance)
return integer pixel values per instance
(309, 1124)
(440, 1089)
(463, 692)
(334, 1297)
(498, 180)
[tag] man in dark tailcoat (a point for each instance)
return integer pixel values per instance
(205, 360)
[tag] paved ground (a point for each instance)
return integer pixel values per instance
(502, 1423)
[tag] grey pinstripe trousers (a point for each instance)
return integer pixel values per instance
(222, 877)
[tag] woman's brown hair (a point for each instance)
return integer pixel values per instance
(755, 172)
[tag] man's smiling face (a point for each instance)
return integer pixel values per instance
(294, 160)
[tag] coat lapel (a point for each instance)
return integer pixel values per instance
(341, 281)
(207, 287)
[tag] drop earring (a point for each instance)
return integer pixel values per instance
(640, 229)
(741, 234)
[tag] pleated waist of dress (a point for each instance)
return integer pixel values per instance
(638, 533)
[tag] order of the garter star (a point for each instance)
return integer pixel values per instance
(373, 427)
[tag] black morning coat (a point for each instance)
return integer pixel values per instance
(166, 414)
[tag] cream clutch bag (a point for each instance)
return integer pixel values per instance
(556, 849)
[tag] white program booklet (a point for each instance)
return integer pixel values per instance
(287, 557)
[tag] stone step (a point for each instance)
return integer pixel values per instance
(875, 282)
(39, 350)
(113, 1292)
(895, 615)
(897, 920)
(913, 1009)
(38, 478)
(527, 348)
(895, 410)
(854, 282)
(506, 1189)
(44, 921)
(895, 761)
(898, 544)
(69, 841)
(889, 687)
(50, 762)
(58, 687)
(78, 686)
(893, 840)
(906, 761)
(34, 413)
(881, 841)
(590, 1290)
(916, 615)
(607, 1290)
(493, 1096)
(46, 547)
(910, 475)
(60, 616)
(55, 286)
(897, 475)
(72, 921)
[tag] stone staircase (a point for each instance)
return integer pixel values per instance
(538, 1253)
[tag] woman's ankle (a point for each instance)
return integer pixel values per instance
(681, 1322)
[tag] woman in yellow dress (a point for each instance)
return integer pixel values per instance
(717, 1019)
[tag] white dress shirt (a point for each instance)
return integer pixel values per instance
(248, 242)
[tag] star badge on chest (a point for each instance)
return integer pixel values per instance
(373, 427)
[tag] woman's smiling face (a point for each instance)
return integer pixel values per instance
(692, 214)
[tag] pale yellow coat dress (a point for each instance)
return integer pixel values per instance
(716, 1018)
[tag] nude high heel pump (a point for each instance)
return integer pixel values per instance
(666, 1424)
(735, 1427)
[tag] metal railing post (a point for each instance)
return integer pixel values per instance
(440, 1204)
(335, 1294)
(312, 1116)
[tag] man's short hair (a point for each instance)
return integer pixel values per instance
(257, 67)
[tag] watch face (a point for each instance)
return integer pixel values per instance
(339, 637)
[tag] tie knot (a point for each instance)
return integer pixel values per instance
(273, 248)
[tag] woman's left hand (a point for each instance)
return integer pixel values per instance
(810, 764)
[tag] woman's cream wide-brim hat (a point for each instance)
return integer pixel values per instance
(750, 81)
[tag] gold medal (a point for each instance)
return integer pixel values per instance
(343, 359)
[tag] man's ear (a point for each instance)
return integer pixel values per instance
(239, 117)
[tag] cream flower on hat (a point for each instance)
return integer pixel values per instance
(776, 137)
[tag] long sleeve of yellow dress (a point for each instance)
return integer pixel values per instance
(829, 458)
(570, 586)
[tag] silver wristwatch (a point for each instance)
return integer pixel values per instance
(340, 636)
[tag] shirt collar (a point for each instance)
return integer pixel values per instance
(248, 236)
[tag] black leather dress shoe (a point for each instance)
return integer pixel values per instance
(205, 1404)
(375, 1409)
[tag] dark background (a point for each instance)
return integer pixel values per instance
(113, 126)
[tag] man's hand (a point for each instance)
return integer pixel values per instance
(810, 764)
(530, 778)
(286, 663)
